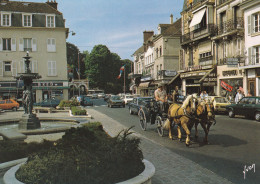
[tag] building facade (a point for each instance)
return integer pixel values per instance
(229, 46)
(251, 64)
(197, 61)
(38, 28)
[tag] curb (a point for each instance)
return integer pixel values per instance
(144, 177)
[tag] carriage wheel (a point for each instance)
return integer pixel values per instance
(159, 123)
(142, 119)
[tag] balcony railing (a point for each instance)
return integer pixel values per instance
(206, 61)
(230, 25)
(208, 29)
(222, 1)
(250, 61)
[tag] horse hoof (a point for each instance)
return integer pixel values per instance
(179, 139)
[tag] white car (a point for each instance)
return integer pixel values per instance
(128, 98)
(101, 95)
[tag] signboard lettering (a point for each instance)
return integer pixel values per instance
(226, 86)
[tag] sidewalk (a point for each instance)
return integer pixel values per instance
(170, 168)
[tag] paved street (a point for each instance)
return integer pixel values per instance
(234, 144)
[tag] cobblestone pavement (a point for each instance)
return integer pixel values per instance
(171, 168)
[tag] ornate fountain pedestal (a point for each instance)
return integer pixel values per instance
(29, 120)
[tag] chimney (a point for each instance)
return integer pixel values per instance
(171, 19)
(53, 4)
(147, 35)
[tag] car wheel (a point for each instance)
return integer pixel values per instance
(130, 111)
(14, 108)
(257, 116)
(231, 113)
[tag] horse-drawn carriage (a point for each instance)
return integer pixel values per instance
(151, 113)
(190, 112)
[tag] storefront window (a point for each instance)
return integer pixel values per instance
(234, 84)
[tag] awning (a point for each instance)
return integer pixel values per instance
(174, 78)
(207, 74)
(144, 84)
(197, 17)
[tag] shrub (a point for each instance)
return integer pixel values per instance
(85, 155)
(78, 111)
(69, 103)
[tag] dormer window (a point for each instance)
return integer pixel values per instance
(27, 20)
(6, 19)
(50, 21)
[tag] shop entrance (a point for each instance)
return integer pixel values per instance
(251, 87)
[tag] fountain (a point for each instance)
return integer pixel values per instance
(29, 120)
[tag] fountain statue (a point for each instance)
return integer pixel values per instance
(28, 120)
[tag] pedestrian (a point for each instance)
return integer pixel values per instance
(175, 94)
(239, 96)
(160, 96)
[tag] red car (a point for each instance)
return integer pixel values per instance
(9, 104)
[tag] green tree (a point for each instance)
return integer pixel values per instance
(73, 58)
(103, 68)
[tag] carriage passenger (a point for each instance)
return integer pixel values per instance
(161, 96)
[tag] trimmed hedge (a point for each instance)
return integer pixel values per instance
(78, 111)
(85, 155)
(68, 103)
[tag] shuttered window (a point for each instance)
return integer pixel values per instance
(52, 71)
(51, 45)
(256, 23)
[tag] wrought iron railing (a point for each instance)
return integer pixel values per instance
(230, 25)
(208, 29)
(250, 61)
(207, 61)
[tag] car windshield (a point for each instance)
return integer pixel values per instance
(146, 99)
(221, 100)
(129, 96)
(115, 98)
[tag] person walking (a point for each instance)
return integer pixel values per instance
(239, 96)
(175, 94)
(160, 96)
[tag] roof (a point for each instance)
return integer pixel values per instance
(140, 50)
(186, 2)
(173, 29)
(28, 7)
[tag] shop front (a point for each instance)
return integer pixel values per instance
(146, 87)
(230, 79)
(197, 81)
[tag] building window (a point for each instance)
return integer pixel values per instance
(51, 45)
(257, 49)
(7, 66)
(27, 20)
(238, 46)
(6, 19)
(160, 51)
(257, 23)
(52, 68)
(27, 44)
(50, 20)
(7, 44)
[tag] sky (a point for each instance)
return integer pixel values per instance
(118, 24)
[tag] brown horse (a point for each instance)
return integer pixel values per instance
(181, 115)
(205, 117)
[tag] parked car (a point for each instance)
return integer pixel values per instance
(101, 95)
(134, 106)
(107, 96)
(86, 101)
(220, 103)
(94, 96)
(9, 104)
(115, 100)
(128, 98)
(247, 106)
(48, 103)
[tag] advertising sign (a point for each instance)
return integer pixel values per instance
(226, 86)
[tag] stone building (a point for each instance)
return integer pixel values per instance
(40, 29)
(197, 61)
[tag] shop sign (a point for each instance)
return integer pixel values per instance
(193, 68)
(226, 86)
(232, 62)
(146, 78)
(170, 73)
(230, 73)
(47, 84)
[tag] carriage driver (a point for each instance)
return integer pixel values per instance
(161, 96)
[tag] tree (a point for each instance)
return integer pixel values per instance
(103, 68)
(73, 58)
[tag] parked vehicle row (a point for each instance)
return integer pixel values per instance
(115, 100)
(9, 104)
